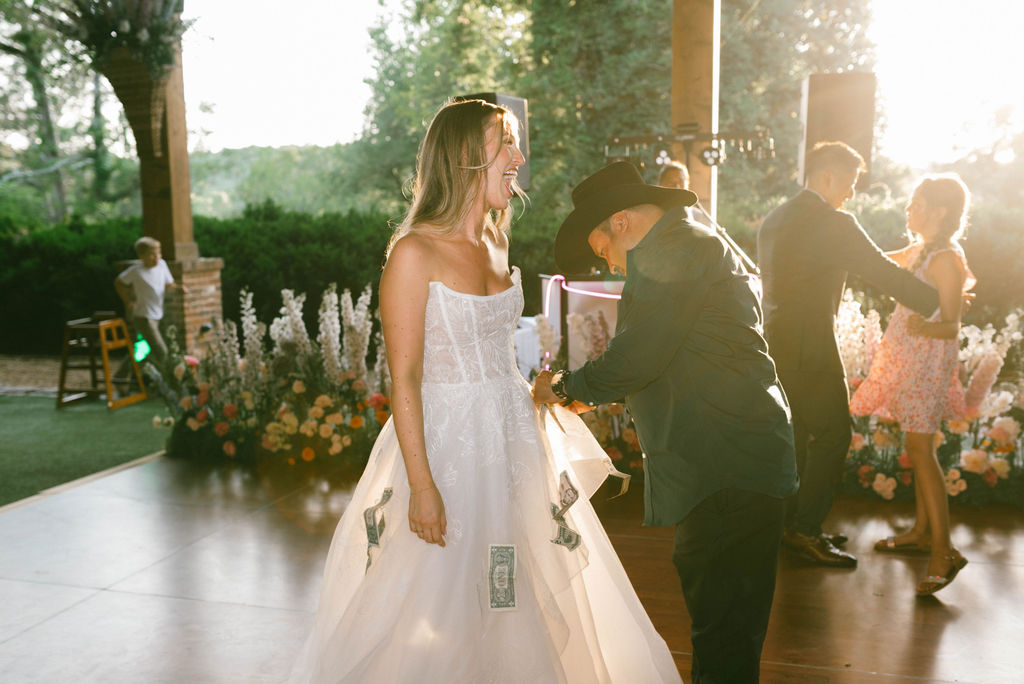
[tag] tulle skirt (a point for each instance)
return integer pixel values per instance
(528, 588)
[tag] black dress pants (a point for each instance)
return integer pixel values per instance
(726, 552)
(822, 430)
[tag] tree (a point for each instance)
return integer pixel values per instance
(768, 48)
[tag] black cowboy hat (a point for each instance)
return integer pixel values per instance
(615, 187)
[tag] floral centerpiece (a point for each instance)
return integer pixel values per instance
(294, 398)
(981, 454)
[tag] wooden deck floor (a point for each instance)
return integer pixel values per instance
(175, 572)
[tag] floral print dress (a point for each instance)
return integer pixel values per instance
(913, 379)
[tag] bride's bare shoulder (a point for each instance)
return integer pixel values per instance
(412, 261)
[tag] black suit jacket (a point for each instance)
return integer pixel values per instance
(805, 249)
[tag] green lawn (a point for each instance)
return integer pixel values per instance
(42, 447)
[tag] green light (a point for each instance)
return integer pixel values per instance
(141, 349)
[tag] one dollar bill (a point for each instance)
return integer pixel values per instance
(501, 576)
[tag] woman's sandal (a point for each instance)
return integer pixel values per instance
(889, 545)
(932, 583)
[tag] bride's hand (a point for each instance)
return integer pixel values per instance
(426, 515)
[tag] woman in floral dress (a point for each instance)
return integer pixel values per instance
(913, 378)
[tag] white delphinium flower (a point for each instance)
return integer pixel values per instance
(253, 332)
(330, 333)
(289, 327)
(995, 404)
(975, 344)
(143, 35)
(381, 380)
(853, 334)
(357, 325)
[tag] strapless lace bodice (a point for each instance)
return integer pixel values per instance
(468, 338)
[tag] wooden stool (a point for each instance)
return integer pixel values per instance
(101, 333)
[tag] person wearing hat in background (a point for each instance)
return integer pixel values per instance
(689, 360)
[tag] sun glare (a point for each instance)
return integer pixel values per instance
(946, 74)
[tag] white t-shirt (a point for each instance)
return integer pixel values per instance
(148, 284)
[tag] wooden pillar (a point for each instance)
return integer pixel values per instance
(696, 28)
(155, 109)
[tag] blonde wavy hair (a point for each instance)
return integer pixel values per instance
(450, 169)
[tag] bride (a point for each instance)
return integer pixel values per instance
(470, 552)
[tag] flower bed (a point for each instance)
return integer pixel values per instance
(980, 455)
(295, 398)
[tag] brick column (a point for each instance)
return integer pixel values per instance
(201, 304)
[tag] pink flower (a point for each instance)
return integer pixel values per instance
(221, 429)
(191, 360)
(378, 401)
(229, 448)
(999, 435)
(990, 477)
(857, 442)
(230, 411)
(905, 462)
(614, 453)
(359, 385)
(907, 477)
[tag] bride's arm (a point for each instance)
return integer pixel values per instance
(404, 287)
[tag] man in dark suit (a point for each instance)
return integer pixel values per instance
(713, 422)
(805, 249)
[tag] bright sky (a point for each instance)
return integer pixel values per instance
(294, 76)
(275, 73)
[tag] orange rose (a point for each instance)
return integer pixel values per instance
(356, 422)
(308, 454)
(382, 417)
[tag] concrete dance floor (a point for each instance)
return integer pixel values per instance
(182, 573)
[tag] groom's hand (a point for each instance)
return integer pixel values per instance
(542, 393)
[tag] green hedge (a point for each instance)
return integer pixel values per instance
(56, 274)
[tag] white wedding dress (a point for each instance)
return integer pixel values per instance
(528, 588)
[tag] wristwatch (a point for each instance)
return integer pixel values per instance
(558, 386)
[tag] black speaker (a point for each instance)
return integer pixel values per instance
(838, 107)
(519, 108)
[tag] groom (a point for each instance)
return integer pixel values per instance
(689, 360)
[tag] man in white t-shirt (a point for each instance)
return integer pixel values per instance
(141, 287)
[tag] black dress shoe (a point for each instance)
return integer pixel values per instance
(818, 550)
(835, 539)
